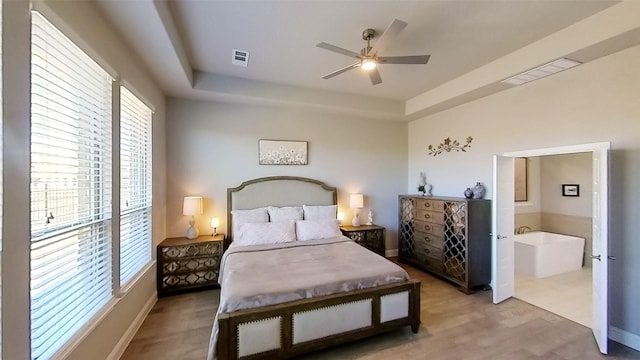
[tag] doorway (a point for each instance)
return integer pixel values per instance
(503, 281)
(553, 234)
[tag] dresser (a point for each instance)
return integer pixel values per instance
(185, 264)
(369, 236)
(449, 237)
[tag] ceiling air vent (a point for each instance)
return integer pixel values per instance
(541, 71)
(240, 58)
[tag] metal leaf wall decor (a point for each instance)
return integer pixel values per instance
(448, 145)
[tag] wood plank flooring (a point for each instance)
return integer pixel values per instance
(454, 326)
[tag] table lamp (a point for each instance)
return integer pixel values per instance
(215, 222)
(191, 206)
(356, 201)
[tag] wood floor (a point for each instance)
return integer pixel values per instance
(454, 326)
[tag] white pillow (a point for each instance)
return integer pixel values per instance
(320, 212)
(284, 213)
(266, 233)
(317, 229)
(241, 217)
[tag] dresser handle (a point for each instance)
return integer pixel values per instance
(427, 239)
(427, 204)
(427, 227)
(427, 251)
(427, 216)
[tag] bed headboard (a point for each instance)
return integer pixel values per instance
(277, 191)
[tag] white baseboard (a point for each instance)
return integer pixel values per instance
(624, 337)
(391, 253)
(126, 338)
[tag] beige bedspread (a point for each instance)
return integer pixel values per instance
(255, 276)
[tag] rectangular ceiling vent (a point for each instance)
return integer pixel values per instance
(240, 58)
(541, 71)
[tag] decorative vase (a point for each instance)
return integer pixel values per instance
(429, 188)
(468, 193)
(478, 191)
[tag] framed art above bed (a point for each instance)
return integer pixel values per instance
(282, 152)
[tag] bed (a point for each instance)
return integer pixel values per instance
(284, 299)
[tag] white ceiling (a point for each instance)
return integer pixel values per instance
(188, 44)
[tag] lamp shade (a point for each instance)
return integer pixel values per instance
(356, 201)
(215, 222)
(192, 205)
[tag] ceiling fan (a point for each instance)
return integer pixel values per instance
(368, 58)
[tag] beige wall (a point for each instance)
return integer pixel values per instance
(214, 146)
(594, 102)
(566, 169)
(82, 22)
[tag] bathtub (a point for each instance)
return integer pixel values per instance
(542, 254)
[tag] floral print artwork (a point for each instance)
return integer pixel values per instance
(276, 152)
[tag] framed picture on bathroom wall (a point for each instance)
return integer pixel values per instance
(571, 190)
(520, 179)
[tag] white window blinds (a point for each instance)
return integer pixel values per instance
(135, 185)
(71, 278)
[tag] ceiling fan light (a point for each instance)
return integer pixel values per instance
(368, 64)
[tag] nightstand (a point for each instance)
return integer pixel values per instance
(185, 264)
(369, 236)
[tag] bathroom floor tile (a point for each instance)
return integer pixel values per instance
(568, 295)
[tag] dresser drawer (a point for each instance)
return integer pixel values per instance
(430, 216)
(423, 238)
(187, 265)
(429, 263)
(428, 251)
(429, 228)
(429, 204)
(191, 250)
(190, 280)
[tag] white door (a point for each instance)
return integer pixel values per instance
(600, 254)
(502, 215)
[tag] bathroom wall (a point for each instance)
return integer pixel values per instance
(566, 214)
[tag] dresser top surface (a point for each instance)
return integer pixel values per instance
(442, 198)
(361, 227)
(179, 241)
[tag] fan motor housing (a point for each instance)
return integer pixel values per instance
(368, 34)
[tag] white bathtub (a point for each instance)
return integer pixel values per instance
(542, 254)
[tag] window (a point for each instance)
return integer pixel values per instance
(71, 121)
(135, 185)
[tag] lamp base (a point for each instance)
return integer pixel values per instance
(192, 232)
(356, 220)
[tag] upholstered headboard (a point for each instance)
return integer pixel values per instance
(277, 191)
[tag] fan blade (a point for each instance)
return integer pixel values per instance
(374, 75)
(417, 59)
(339, 50)
(344, 69)
(388, 35)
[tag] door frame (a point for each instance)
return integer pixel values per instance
(601, 335)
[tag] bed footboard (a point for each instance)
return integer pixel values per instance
(298, 327)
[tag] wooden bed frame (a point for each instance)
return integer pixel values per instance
(380, 298)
